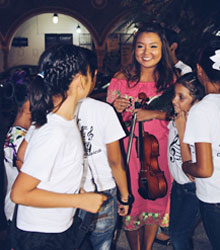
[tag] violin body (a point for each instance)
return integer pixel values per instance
(152, 182)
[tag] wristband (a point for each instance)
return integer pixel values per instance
(129, 202)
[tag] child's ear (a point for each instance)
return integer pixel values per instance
(199, 69)
(76, 83)
(82, 81)
(174, 46)
(201, 74)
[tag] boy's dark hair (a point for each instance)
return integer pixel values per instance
(92, 59)
(172, 37)
(206, 62)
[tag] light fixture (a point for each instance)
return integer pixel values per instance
(78, 29)
(55, 18)
(218, 33)
(135, 28)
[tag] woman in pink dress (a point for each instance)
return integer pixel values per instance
(151, 72)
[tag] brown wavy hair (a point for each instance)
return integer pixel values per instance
(164, 73)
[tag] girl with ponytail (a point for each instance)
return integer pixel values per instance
(47, 187)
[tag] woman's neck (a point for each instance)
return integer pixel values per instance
(147, 75)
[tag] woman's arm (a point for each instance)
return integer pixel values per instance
(146, 115)
(119, 174)
(203, 168)
(25, 192)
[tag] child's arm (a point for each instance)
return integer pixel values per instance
(20, 154)
(180, 121)
(119, 174)
(25, 192)
(203, 168)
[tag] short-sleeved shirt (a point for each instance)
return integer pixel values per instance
(13, 140)
(99, 126)
(174, 155)
(184, 68)
(54, 156)
(203, 125)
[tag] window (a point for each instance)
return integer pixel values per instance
(55, 39)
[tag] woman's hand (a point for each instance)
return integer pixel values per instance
(144, 115)
(147, 115)
(121, 104)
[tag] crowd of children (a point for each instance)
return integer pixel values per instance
(72, 155)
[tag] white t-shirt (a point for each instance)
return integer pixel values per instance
(174, 155)
(29, 133)
(13, 140)
(54, 156)
(203, 125)
(99, 125)
(183, 67)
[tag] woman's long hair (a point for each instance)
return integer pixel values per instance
(164, 71)
(57, 66)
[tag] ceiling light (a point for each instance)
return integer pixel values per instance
(135, 28)
(55, 18)
(78, 29)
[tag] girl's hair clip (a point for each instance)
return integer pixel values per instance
(41, 74)
(216, 60)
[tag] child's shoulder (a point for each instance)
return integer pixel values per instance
(97, 103)
(96, 107)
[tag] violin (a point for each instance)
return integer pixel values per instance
(152, 182)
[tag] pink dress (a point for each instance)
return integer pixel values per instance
(143, 211)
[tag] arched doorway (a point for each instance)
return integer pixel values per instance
(38, 32)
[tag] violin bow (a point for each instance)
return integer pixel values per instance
(133, 122)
